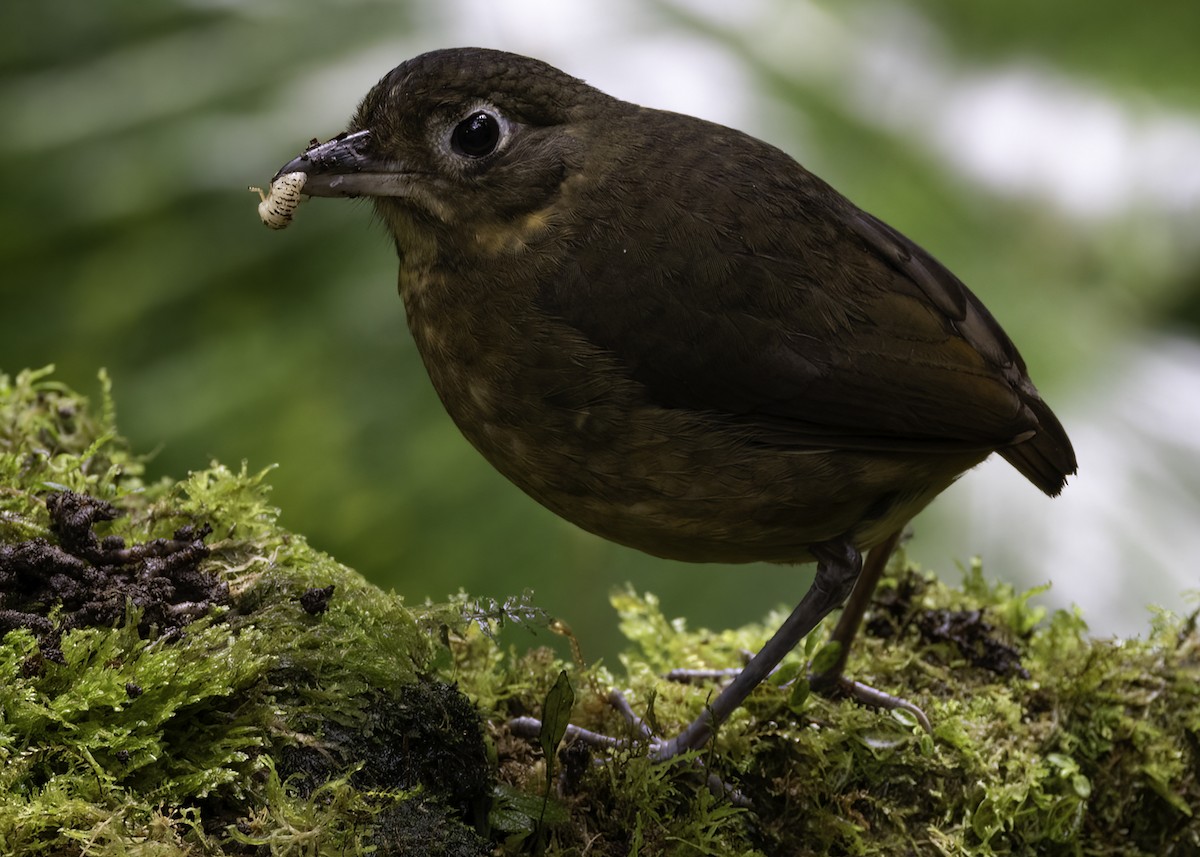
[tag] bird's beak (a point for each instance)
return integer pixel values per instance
(347, 166)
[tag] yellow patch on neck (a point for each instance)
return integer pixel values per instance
(509, 239)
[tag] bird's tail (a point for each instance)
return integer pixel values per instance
(1047, 458)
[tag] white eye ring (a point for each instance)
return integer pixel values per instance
(279, 204)
(503, 126)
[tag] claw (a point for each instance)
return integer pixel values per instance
(530, 728)
(863, 693)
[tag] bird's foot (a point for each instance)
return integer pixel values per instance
(531, 727)
(840, 687)
(698, 676)
(830, 686)
(658, 749)
(838, 567)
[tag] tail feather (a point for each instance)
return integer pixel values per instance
(1047, 458)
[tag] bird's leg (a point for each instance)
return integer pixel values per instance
(832, 682)
(838, 565)
(841, 576)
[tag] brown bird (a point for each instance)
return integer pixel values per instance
(676, 337)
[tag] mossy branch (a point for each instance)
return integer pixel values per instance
(288, 706)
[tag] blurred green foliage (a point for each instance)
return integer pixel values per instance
(127, 240)
(1117, 44)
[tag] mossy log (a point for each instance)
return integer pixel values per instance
(179, 675)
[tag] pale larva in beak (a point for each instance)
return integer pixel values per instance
(279, 203)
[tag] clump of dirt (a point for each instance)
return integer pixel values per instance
(977, 640)
(315, 601)
(87, 581)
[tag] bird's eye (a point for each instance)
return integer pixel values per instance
(477, 135)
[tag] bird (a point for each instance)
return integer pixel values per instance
(673, 335)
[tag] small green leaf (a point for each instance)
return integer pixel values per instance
(826, 658)
(514, 812)
(785, 673)
(811, 642)
(556, 715)
(799, 695)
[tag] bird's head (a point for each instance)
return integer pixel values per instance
(463, 137)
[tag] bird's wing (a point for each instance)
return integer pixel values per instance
(817, 334)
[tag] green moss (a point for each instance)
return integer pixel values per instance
(1081, 747)
(201, 739)
(283, 716)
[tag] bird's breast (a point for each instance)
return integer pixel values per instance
(563, 420)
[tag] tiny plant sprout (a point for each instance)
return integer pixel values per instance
(279, 203)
